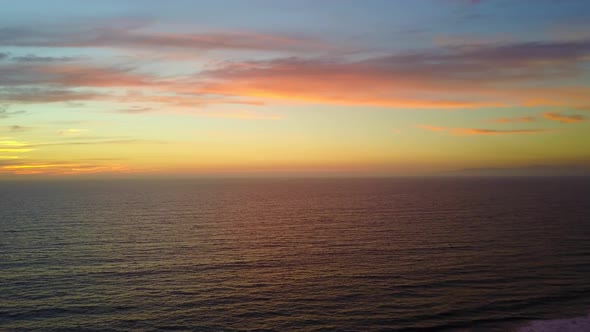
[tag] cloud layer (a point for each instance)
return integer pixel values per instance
(148, 78)
(449, 77)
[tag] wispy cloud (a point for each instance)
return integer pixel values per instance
(227, 114)
(5, 113)
(581, 168)
(83, 82)
(43, 83)
(481, 131)
(11, 149)
(72, 131)
(136, 110)
(431, 128)
(523, 119)
(13, 162)
(61, 168)
(15, 149)
(32, 58)
(137, 34)
(44, 95)
(71, 75)
(7, 142)
(563, 118)
(16, 128)
(98, 142)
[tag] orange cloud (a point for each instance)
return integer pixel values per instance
(342, 85)
(431, 128)
(563, 118)
(62, 168)
(515, 120)
(477, 131)
(333, 93)
(457, 79)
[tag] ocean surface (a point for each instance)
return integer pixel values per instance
(481, 254)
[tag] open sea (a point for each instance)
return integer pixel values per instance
(417, 254)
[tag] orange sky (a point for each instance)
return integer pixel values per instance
(432, 87)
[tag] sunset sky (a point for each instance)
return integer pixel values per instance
(292, 87)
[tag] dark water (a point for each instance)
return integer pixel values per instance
(283, 255)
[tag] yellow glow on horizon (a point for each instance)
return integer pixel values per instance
(15, 150)
(13, 143)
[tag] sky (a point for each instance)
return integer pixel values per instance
(312, 87)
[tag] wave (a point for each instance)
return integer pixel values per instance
(576, 324)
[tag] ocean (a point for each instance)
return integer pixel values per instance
(397, 254)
